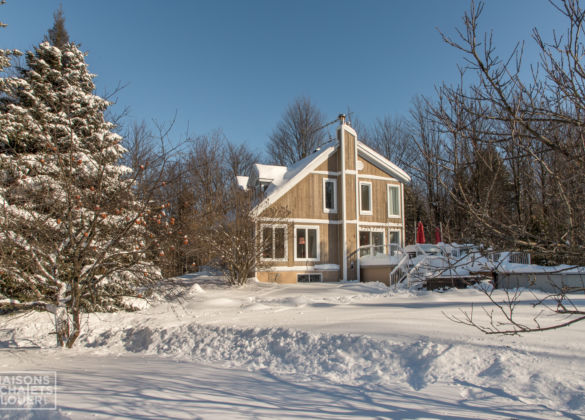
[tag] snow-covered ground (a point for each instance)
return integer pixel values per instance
(300, 351)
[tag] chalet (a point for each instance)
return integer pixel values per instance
(344, 205)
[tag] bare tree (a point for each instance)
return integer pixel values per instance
(392, 136)
(517, 151)
(298, 134)
(534, 125)
(236, 242)
(513, 315)
(240, 160)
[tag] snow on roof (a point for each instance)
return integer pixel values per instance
(282, 179)
(291, 175)
(269, 173)
(242, 182)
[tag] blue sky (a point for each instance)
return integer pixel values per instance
(235, 65)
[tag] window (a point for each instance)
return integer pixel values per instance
(371, 242)
(306, 243)
(309, 278)
(394, 241)
(393, 201)
(365, 198)
(274, 242)
(329, 195)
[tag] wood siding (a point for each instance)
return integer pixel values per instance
(371, 169)
(349, 151)
(305, 201)
(328, 254)
(379, 194)
(330, 165)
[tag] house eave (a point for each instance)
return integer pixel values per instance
(382, 163)
(283, 189)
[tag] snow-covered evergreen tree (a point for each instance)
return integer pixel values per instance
(73, 237)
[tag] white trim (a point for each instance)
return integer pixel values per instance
(301, 220)
(341, 155)
(351, 172)
(288, 185)
(381, 162)
(402, 237)
(317, 238)
(357, 205)
(362, 211)
(328, 173)
(388, 188)
(367, 153)
(262, 227)
(370, 230)
(334, 209)
(365, 228)
(350, 129)
(287, 268)
(330, 222)
(389, 224)
(382, 178)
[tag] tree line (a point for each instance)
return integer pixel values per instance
(93, 212)
(497, 159)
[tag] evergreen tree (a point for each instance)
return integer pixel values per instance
(58, 35)
(73, 237)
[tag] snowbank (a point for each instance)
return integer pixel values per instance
(346, 335)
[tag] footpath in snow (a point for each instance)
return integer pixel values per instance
(300, 351)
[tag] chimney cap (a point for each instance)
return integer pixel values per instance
(341, 118)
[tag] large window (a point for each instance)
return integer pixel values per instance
(306, 243)
(274, 242)
(394, 241)
(365, 198)
(371, 242)
(393, 201)
(329, 195)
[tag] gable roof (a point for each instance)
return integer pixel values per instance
(284, 179)
(294, 174)
(382, 163)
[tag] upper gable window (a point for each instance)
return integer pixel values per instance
(393, 201)
(365, 198)
(329, 195)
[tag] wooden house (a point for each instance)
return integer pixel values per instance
(344, 205)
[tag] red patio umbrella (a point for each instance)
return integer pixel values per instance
(437, 235)
(420, 233)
